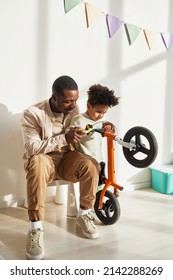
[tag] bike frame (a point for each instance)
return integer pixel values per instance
(110, 180)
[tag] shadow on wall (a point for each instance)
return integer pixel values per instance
(12, 175)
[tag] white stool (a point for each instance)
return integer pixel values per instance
(72, 197)
(65, 191)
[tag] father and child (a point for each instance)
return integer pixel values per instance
(56, 146)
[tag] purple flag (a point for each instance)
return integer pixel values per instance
(113, 24)
(167, 40)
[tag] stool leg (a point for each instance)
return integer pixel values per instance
(71, 201)
(60, 197)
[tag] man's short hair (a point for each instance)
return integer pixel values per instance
(63, 82)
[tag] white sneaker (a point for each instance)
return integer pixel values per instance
(34, 245)
(86, 223)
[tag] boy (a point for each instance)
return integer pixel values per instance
(100, 99)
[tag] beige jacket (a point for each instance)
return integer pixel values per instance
(37, 125)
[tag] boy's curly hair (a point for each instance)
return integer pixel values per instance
(101, 95)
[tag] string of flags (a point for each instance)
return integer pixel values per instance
(113, 23)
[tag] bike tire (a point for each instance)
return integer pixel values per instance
(140, 134)
(110, 211)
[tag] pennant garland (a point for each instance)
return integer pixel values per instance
(93, 13)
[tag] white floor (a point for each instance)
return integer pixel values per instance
(144, 231)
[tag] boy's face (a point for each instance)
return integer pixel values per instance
(96, 112)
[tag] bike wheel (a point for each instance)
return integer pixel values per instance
(110, 211)
(146, 147)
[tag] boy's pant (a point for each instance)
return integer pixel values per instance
(71, 166)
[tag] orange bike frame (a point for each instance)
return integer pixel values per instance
(110, 181)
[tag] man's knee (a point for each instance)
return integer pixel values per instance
(92, 165)
(41, 163)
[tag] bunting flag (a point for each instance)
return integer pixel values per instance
(92, 14)
(132, 32)
(70, 4)
(150, 37)
(167, 40)
(113, 24)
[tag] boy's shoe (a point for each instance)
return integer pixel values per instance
(86, 223)
(34, 245)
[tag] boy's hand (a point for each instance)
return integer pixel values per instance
(109, 127)
(74, 135)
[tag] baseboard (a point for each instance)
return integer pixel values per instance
(12, 203)
(137, 186)
(51, 194)
(20, 202)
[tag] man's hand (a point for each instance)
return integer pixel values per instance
(74, 135)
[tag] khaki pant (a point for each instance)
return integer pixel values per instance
(72, 166)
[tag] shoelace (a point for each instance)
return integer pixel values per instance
(89, 219)
(91, 216)
(35, 236)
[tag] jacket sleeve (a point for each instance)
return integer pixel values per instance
(33, 136)
(75, 122)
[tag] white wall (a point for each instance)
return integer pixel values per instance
(39, 42)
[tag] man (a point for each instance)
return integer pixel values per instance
(49, 155)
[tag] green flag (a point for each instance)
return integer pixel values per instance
(132, 32)
(70, 4)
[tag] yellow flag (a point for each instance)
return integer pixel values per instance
(92, 14)
(150, 37)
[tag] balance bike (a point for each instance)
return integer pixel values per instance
(140, 149)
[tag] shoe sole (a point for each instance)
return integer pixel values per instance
(37, 257)
(88, 235)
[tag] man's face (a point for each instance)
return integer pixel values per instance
(66, 103)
